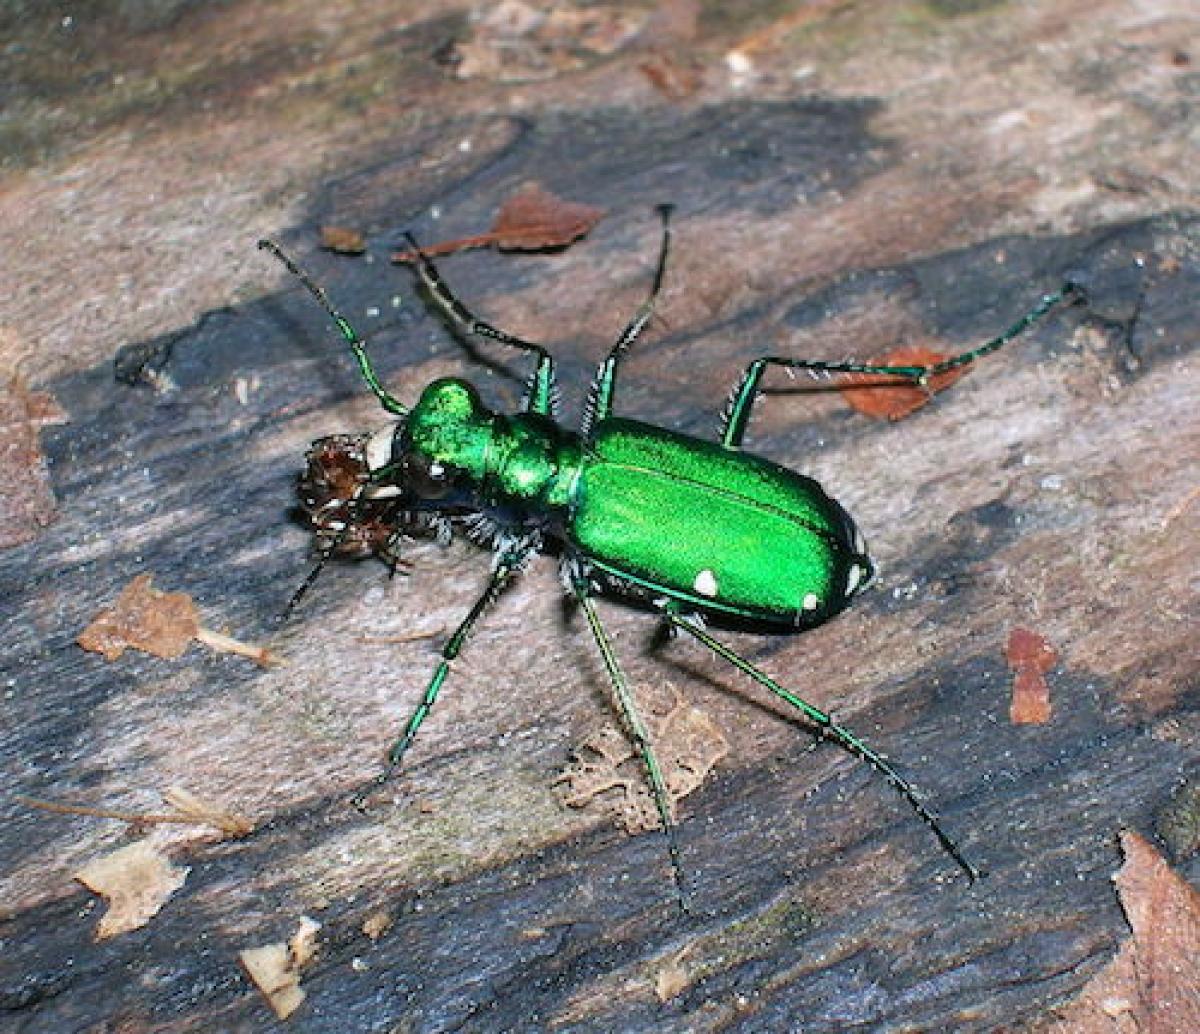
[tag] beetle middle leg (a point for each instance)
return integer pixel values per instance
(637, 730)
(509, 563)
(541, 385)
(741, 400)
(831, 730)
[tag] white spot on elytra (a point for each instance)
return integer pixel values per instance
(810, 602)
(706, 584)
(853, 578)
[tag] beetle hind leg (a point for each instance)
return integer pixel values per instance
(831, 730)
(636, 728)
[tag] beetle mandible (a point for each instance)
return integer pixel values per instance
(688, 527)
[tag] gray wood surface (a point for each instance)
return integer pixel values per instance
(1052, 488)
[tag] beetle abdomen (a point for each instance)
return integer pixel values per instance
(718, 529)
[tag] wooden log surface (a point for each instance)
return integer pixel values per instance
(847, 178)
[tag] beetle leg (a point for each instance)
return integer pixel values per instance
(509, 564)
(839, 734)
(637, 730)
(741, 400)
(600, 398)
(541, 386)
(357, 345)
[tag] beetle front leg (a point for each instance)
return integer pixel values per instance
(541, 385)
(357, 346)
(600, 399)
(830, 729)
(741, 400)
(510, 563)
(636, 728)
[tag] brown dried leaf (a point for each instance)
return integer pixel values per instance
(608, 769)
(1029, 655)
(343, 240)
(1152, 986)
(27, 504)
(159, 623)
(674, 79)
(275, 968)
(532, 219)
(894, 398)
(136, 880)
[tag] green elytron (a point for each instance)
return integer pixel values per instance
(688, 527)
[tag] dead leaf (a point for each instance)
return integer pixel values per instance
(1152, 986)
(136, 880)
(675, 79)
(671, 980)
(275, 968)
(27, 504)
(1029, 656)
(532, 219)
(343, 240)
(377, 924)
(608, 769)
(894, 398)
(158, 623)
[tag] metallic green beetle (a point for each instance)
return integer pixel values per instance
(689, 527)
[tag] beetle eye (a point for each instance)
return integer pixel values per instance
(427, 477)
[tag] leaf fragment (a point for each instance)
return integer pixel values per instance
(159, 623)
(343, 240)
(607, 769)
(532, 219)
(894, 398)
(136, 880)
(1029, 656)
(275, 968)
(27, 504)
(1153, 982)
(146, 619)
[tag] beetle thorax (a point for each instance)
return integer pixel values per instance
(451, 442)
